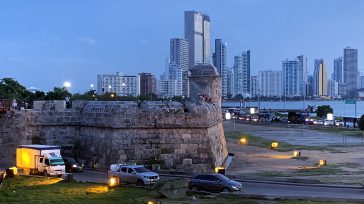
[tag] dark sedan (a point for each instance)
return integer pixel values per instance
(213, 183)
(72, 165)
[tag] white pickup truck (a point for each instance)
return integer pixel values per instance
(133, 174)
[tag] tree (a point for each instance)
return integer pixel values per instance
(10, 89)
(361, 123)
(87, 96)
(58, 94)
(322, 111)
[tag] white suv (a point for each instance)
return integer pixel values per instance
(134, 174)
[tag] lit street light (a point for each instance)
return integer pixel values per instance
(67, 84)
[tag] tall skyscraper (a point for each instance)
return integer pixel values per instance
(270, 83)
(350, 71)
(148, 84)
(309, 86)
(338, 70)
(242, 74)
(254, 86)
(320, 78)
(219, 59)
(197, 32)
(230, 83)
(179, 65)
(293, 77)
(361, 82)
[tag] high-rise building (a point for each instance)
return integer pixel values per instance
(166, 88)
(338, 70)
(333, 89)
(219, 58)
(320, 78)
(179, 65)
(293, 77)
(361, 81)
(197, 32)
(350, 71)
(165, 74)
(242, 74)
(230, 83)
(309, 86)
(270, 83)
(254, 86)
(148, 84)
(121, 85)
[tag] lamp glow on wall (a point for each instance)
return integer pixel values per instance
(330, 116)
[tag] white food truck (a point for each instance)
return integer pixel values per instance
(40, 159)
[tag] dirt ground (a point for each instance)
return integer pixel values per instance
(345, 163)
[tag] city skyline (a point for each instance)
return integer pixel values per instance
(68, 45)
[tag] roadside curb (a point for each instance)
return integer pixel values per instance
(277, 197)
(300, 184)
(188, 175)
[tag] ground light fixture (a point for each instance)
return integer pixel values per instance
(113, 182)
(153, 201)
(296, 154)
(15, 170)
(322, 162)
(220, 170)
(243, 140)
(274, 145)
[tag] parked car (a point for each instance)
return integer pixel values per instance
(318, 122)
(329, 122)
(134, 174)
(72, 165)
(339, 123)
(309, 121)
(213, 183)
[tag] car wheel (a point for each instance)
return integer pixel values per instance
(45, 173)
(225, 190)
(194, 188)
(140, 182)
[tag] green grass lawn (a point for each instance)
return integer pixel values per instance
(23, 189)
(27, 189)
(339, 130)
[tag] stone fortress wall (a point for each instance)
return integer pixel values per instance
(177, 136)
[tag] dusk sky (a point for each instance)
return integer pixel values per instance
(44, 43)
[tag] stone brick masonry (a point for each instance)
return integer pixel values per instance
(178, 136)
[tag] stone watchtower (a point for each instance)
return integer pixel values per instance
(205, 84)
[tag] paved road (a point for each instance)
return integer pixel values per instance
(309, 191)
(264, 189)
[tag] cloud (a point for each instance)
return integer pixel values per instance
(87, 40)
(145, 43)
(16, 58)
